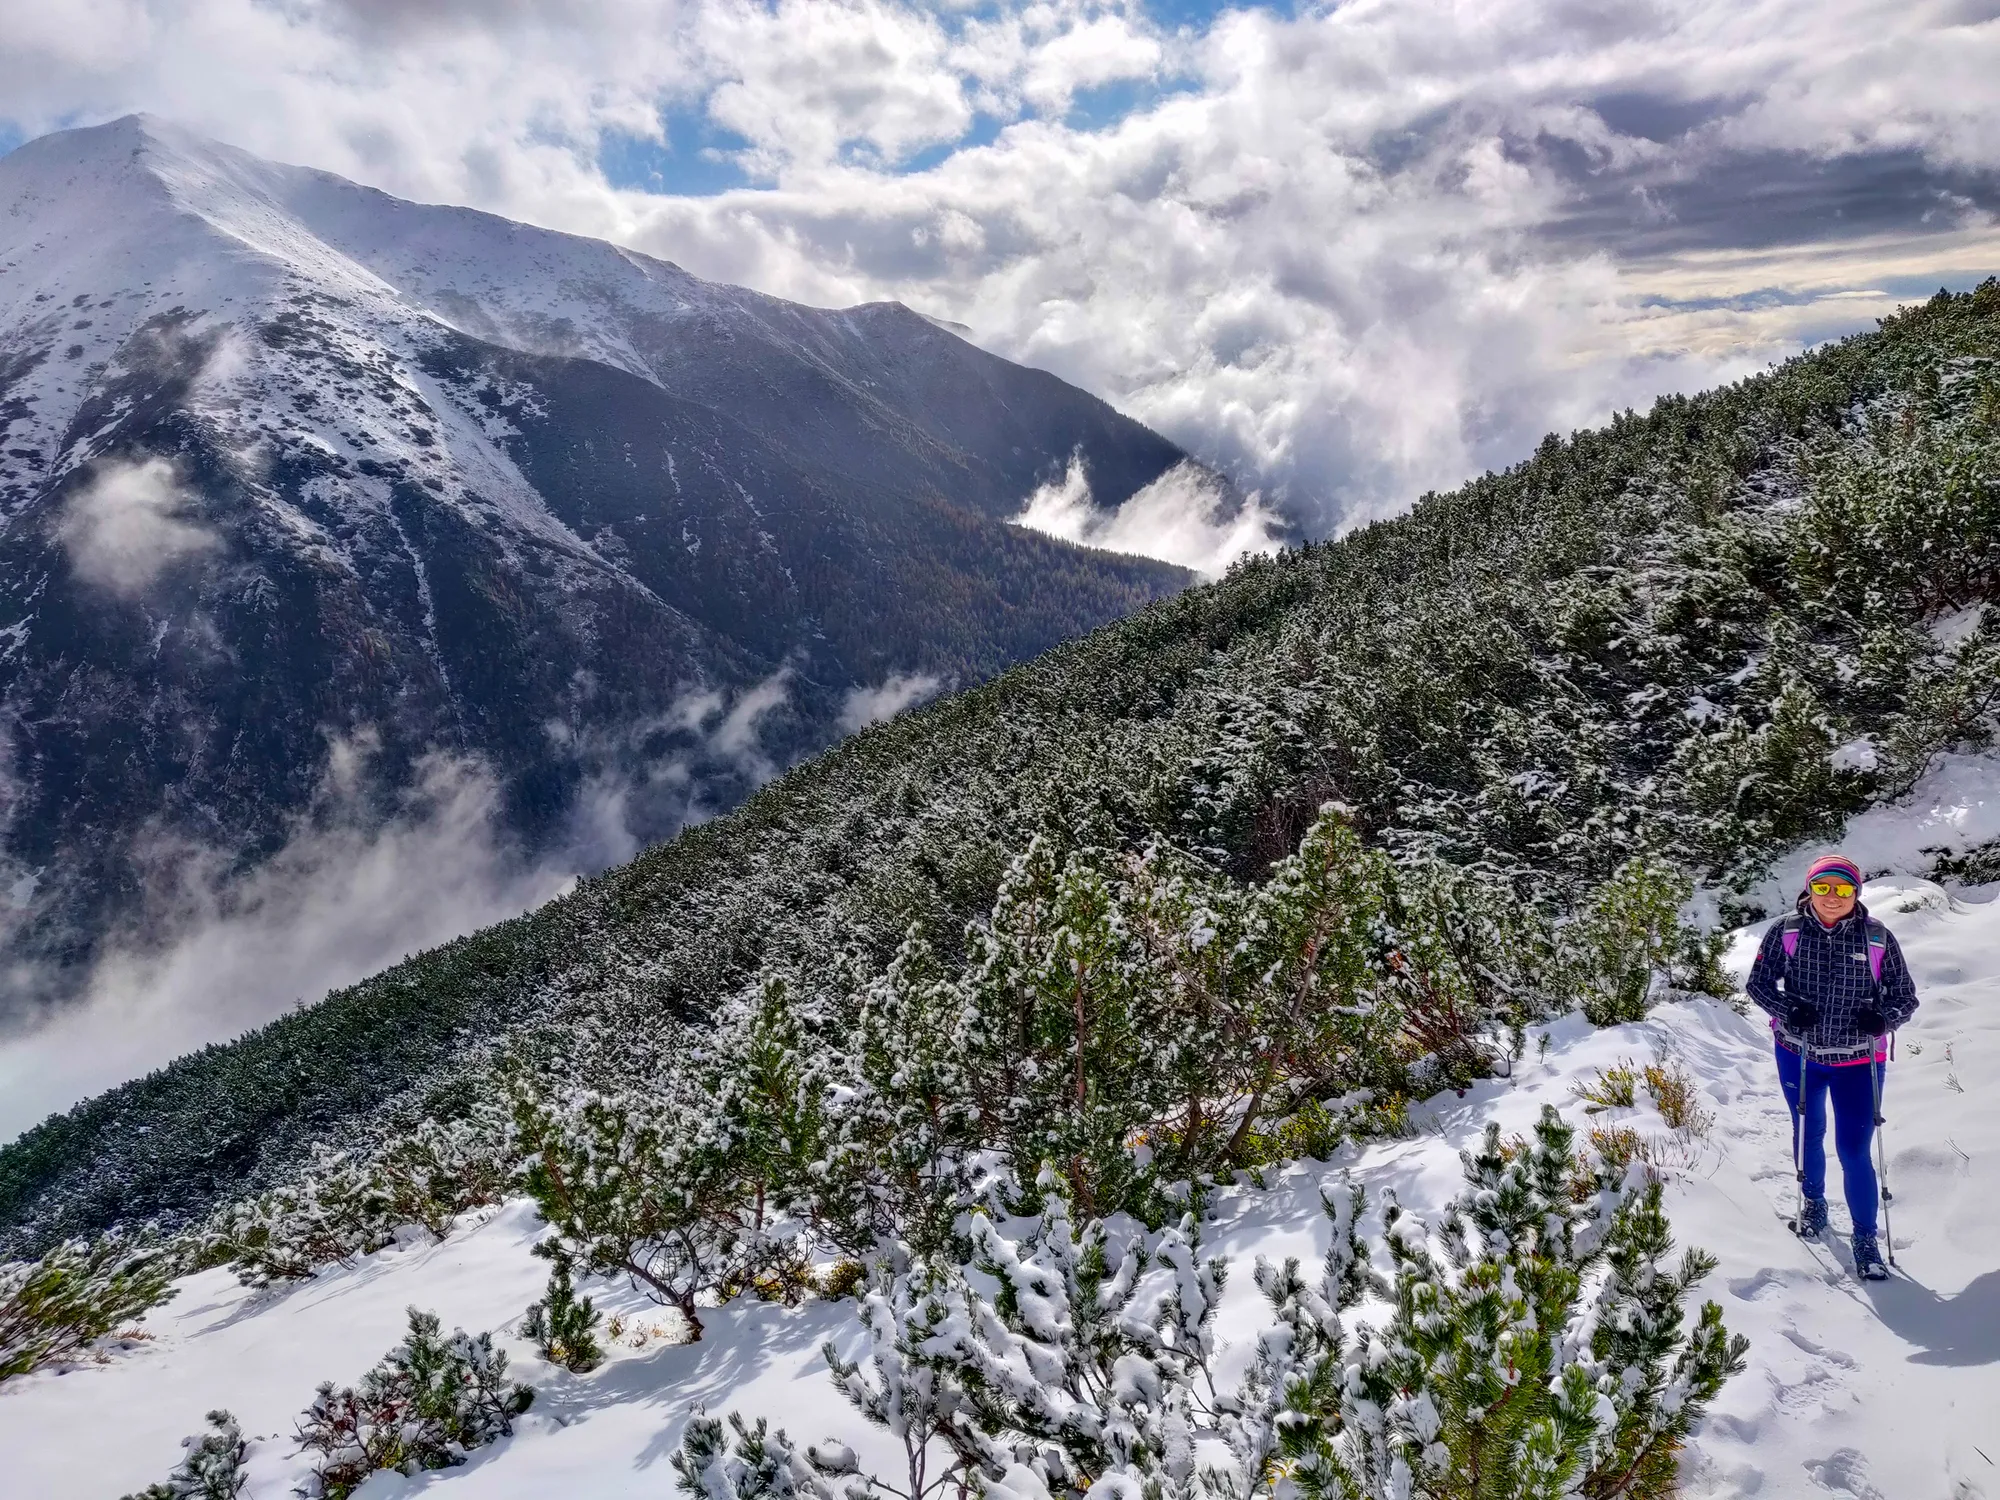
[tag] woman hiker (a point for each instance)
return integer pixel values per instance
(1835, 983)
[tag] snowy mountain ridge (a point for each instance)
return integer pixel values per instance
(287, 463)
(203, 227)
(178, 199)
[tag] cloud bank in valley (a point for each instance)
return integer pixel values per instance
(1343, 254)
(646, 779)
(1186, 516)
(350, 892)
(358, 886)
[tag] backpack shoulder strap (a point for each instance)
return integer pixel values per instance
(1878, 948)
(1789, 934)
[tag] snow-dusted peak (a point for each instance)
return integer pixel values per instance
(107, 227)
(90, 224)
(158, 217)
(279, 452)
(114, 234)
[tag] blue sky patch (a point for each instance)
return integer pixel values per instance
(696, 161)
(984, 132)
(1921, 286)
(698, 157)
(1108, 103)
(1197, 15)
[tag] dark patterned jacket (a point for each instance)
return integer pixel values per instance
(1830, 971)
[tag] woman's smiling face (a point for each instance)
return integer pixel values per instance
(1831, 907)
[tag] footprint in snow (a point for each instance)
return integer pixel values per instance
(1843, 1472)
(1832, 1356)
(1818, 1391)
(1752, 1288)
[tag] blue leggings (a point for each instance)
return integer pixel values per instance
(1853, 1091)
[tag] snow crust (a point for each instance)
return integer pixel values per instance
(1954, 808)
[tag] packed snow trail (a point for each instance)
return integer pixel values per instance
(1887, 1390)
(1865, 1389)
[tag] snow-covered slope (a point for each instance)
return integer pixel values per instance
(1853, 1390)
(286, 463)
(110, 227)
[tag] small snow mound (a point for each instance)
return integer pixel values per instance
(1952, 810)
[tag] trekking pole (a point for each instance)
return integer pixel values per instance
(1882, 1162)
(1798, 1149)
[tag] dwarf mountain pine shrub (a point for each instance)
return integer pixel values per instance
(1145, 1019)
(338, 1209)
(1627, 941)
(650, 1189)
(428, 1403)
(1125, 1028)
(441, 1169)
(346, 1205)
(563, 1326)
(212, 1469)
(1091, 1357)
(54, 1308)
(756, 1464)
(1538, 1345)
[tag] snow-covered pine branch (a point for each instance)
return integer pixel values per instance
(1535, 1346)
(212, 1469)
(54, 1308)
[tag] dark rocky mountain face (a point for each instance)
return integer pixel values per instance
(296, 478)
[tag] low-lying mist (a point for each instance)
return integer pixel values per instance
(364, 880)
(1188, 516)
(348, 894)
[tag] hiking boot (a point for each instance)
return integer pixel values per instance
(1868, 1264)
(1811, 1221)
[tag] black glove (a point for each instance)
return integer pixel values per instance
(1802, 1017)
(1870, 1022)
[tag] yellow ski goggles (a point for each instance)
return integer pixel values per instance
(1840, 888)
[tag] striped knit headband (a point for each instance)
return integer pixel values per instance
(1836, 865)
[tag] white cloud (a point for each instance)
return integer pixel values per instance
(1186, 516)
(873, 705)
(1104, 49)
(126, 527)
(349, 893)
(647, 780)
(804, 78)
(737, 737)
